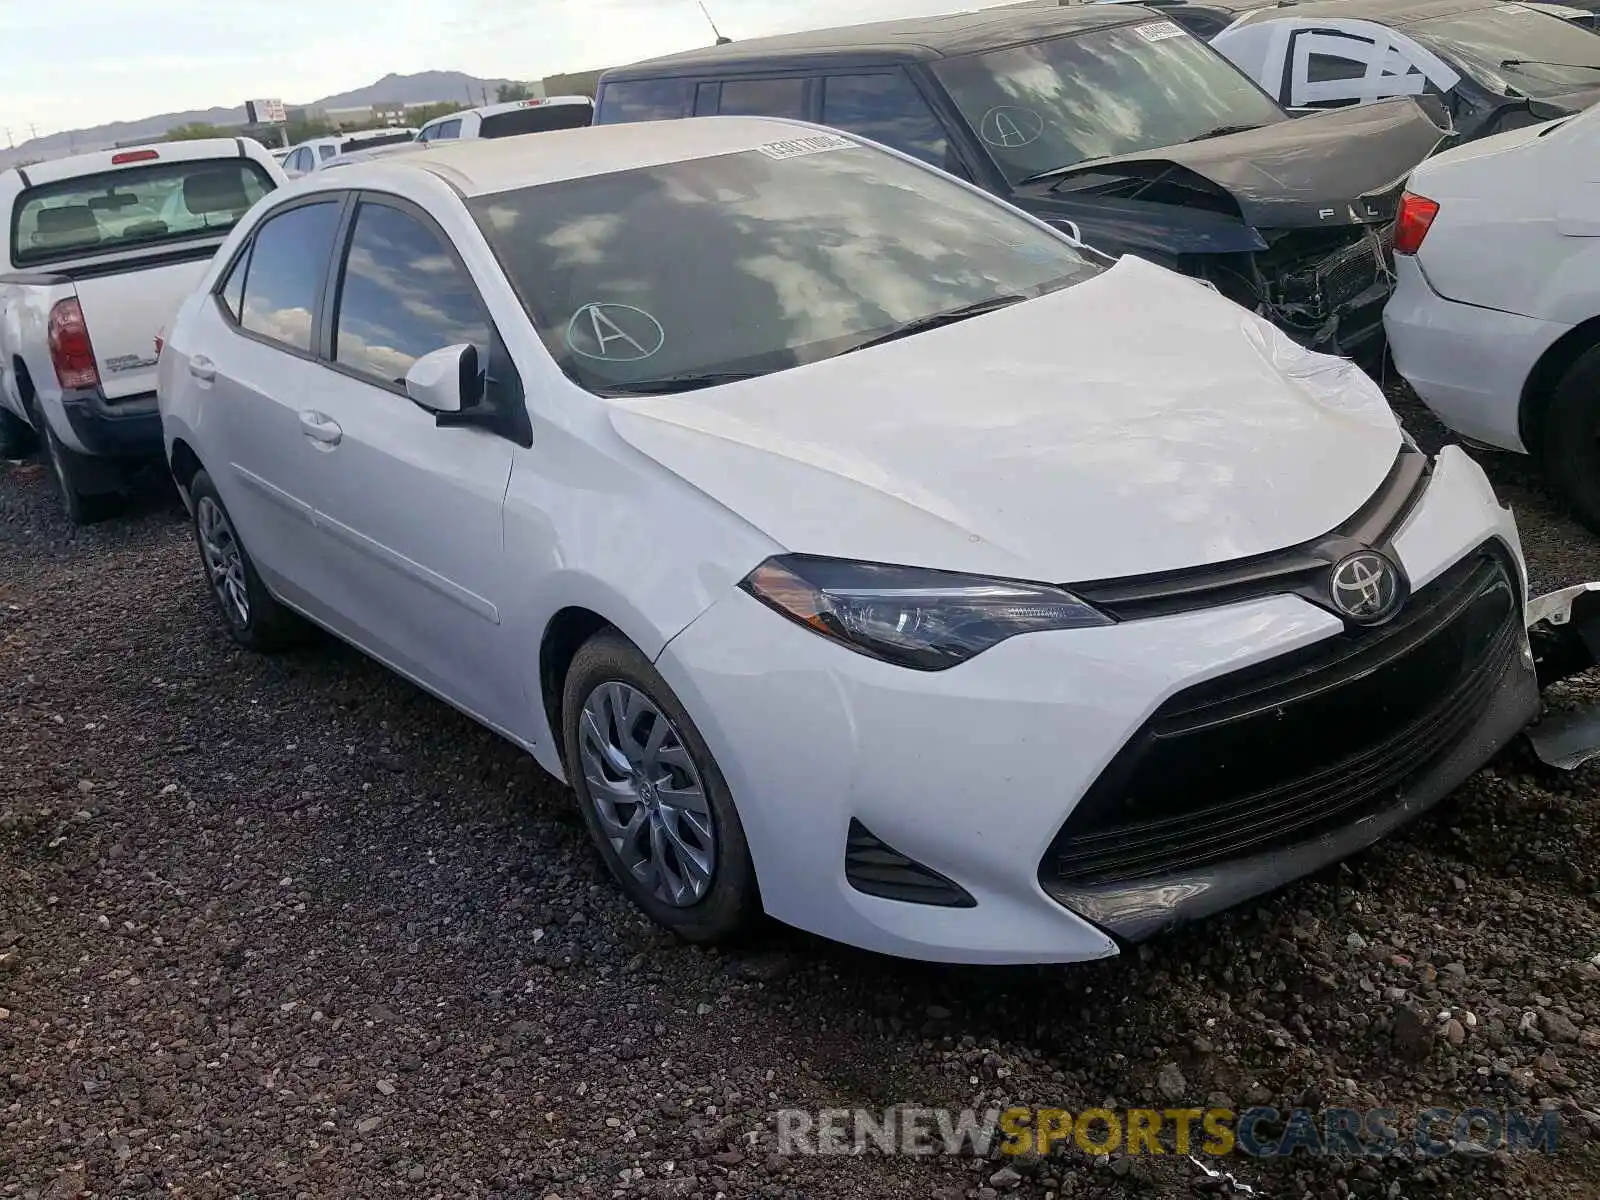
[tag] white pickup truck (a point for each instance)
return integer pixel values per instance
(102, 249)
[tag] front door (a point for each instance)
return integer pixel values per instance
(411, 510)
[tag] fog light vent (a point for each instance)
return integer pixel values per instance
(878, 870)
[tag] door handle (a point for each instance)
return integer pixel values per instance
(320, 427)
(202, 368)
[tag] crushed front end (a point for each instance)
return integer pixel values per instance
(1325, 287)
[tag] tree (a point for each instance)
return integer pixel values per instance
(195, 131)
(507, 92)
(304, 131)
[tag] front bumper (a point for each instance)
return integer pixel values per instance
(101, 428)
(972, 772)
(1469, 364)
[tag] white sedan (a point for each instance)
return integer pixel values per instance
(1495, 320)
(861, 550)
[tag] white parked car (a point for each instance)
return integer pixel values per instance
(1496, 318)
(515, 117)
(842, 534)
(320, 152)
(101, 249)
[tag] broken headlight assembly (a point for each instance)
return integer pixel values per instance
(923, 619)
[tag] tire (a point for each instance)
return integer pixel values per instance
(17, 439)
(1571, 441)
(249, 613)
(610, 677)
(84, 503)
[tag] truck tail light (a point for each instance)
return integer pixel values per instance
(133, 156)
(1413, 221)
(70, 349)
(161, 340)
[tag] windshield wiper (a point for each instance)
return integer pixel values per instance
(1220, 131)
(689, 381)
(1040, 176)
(1541, 62)
(935, 320)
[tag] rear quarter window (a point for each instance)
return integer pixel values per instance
(644, 100)
(132, 207)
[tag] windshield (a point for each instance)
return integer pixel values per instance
(537, 118)
(134, 206)
(756, 261)
(1094, 95)
(1480, 41)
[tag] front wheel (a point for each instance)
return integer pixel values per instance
(1572, 438)
(254, 619)
(652, 796)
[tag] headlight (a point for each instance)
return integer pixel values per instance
(927, 620)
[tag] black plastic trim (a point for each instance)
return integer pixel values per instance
(1299, 570)
(876, 869)
(22, 174)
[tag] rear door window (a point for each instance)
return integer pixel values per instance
(537, 118)
(764, 98)
(447, 131)
(644, 100)
(289, 258)
(886, 107)
(133, 207)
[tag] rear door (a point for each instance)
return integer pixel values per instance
(257, 373)
(135, 240)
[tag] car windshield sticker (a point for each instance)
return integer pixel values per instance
(1159, 31)
(614, 333)
(1011, 128)
(819, 143)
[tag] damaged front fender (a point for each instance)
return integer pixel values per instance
(1564, 631)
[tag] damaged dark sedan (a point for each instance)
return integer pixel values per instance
(1107, 119)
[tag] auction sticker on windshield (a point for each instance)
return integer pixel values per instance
(1159, 31)
(815, 144)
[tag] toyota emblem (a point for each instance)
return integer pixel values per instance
(1366, 587)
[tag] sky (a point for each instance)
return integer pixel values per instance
(119, 60)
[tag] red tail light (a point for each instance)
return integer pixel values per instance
(129, 156)
(161, 340)
(70, 350)
(1412, 224)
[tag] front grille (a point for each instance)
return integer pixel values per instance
(1280, 753)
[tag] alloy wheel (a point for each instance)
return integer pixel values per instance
(224, 560)
(647, 793)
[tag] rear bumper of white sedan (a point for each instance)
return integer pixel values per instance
(1468, 364)
(1063, 792)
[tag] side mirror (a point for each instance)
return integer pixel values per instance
(446, 381)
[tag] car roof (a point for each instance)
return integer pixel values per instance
(918, 39)
(484, 166)
(1385, 12)
(96, 161)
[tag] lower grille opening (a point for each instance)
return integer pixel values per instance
(877, 869)
(1293, 748)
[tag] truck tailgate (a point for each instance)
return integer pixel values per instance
(124, 312)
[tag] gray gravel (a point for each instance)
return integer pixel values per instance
(289, 927)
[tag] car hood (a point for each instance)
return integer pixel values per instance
(1342, 166)
(1134, 423)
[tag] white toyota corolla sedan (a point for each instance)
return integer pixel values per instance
(862, 551)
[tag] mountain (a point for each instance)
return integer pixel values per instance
(426, 87)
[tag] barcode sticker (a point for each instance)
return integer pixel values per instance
(818, 143)
(1158, 31)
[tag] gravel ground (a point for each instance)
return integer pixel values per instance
(289, 927)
